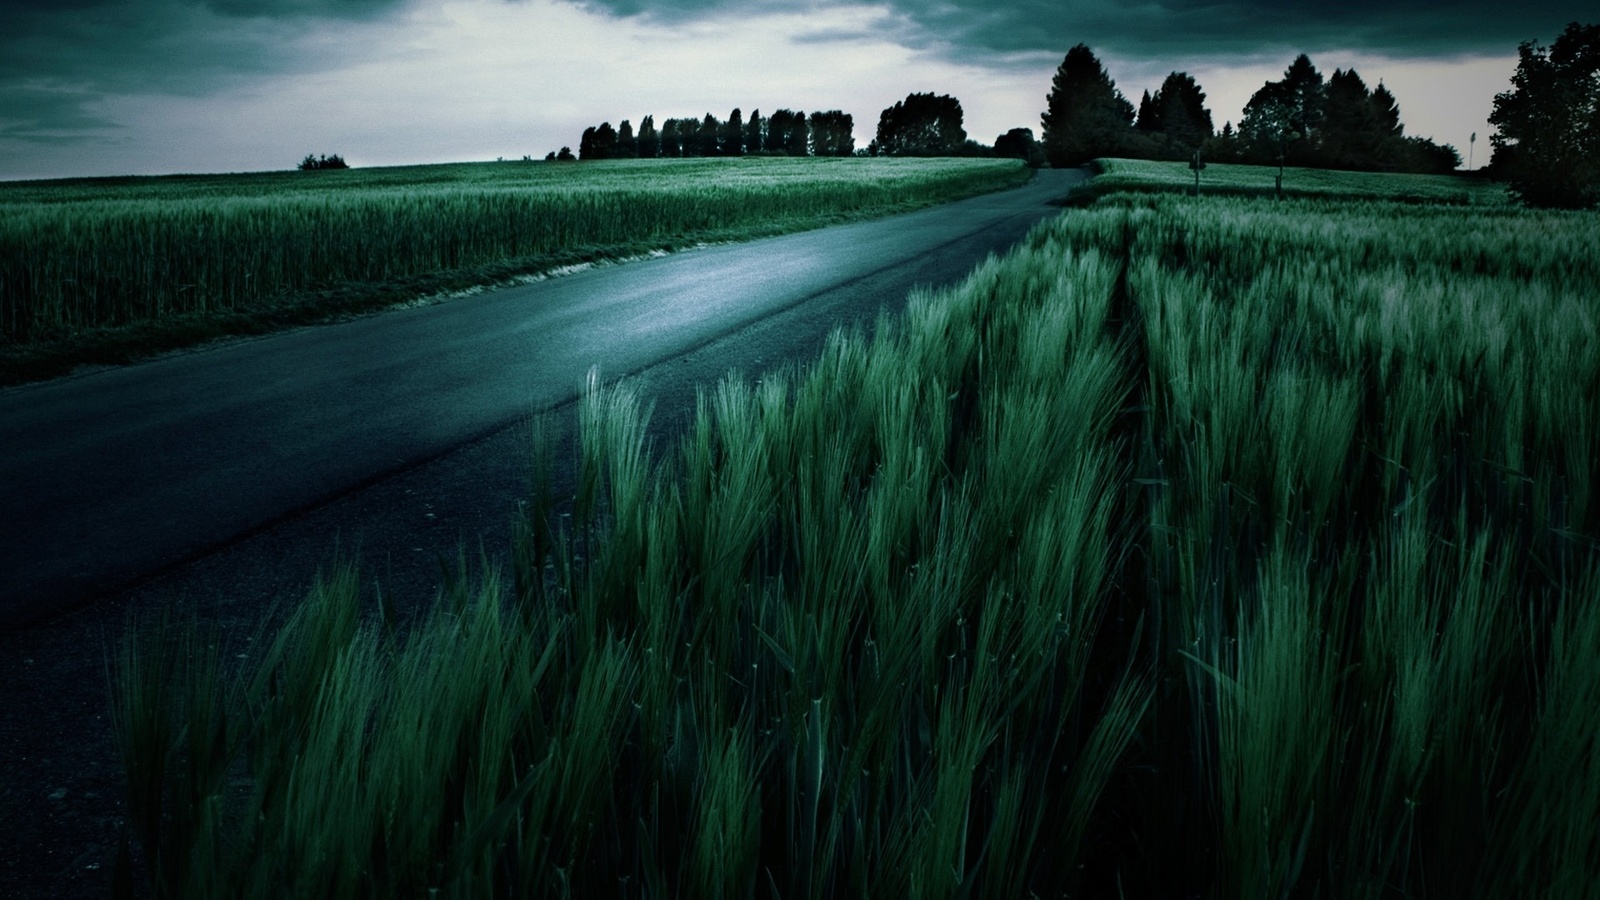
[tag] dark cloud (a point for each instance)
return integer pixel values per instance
(57, 57)
(1198, 28)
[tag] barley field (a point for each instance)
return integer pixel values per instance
(94, 254)
(1221, 547)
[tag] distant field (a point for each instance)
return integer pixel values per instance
(133, 264)
(1224, 178)
(1217, 548)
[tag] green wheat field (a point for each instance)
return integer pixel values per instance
(112, 269)
(1215, 547)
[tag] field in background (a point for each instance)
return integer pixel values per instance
(116, 267)
(1146, 176)
(1217, 547)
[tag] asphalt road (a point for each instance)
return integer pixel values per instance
(114, 477)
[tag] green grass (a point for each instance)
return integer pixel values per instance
(1217, 547)
(102, 270)
(1231, 179)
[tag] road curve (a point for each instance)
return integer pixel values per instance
(116, 475)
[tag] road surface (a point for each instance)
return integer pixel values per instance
(118, 475)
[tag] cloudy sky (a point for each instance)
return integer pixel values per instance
(107, 87)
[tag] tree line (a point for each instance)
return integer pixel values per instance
(1302, 119)
(784, 133)
(923, 124)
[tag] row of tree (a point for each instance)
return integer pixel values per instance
(920, 125)
(786, 133)
(1301, 119)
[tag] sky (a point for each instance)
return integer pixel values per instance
(141, 87)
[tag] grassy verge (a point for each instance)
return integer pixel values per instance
(109, 270)
(1214, 547)
(1113, 176)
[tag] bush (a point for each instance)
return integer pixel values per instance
(323, 162)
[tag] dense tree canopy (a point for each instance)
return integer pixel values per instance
(1306, 120)
(1019, 143)
(1085, 116)
(921, 125)
(648, 140)
(598, 143)
(1283, 116)
(1548, 143)
(1174, 121)
(832, 133)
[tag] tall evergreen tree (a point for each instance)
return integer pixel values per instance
(1182, 112)
(671, 140)
(1350, 134)
(1149, 120)
(1085, 115)
(1386, 112)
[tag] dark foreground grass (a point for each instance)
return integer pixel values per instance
(104, 271)
(1218, 548)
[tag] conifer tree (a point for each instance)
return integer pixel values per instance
(1085, 115)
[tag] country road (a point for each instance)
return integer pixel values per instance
(118, 475)
(218, 483)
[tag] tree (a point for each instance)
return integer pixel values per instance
(777, 125)
(1018, 143)
(1085, 115)
(754, 132)
(1386, 113)
(1149, 120)
(649, 140)
(921, 125)
(832, 133)
(1352, 132)
(627, 144)
(787, 133)
(671, 142)
(1283, 118)
(314, 163)
(598, 143)
(1182, 113)
(1547, 143)
(709, 137)
(733, 134)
